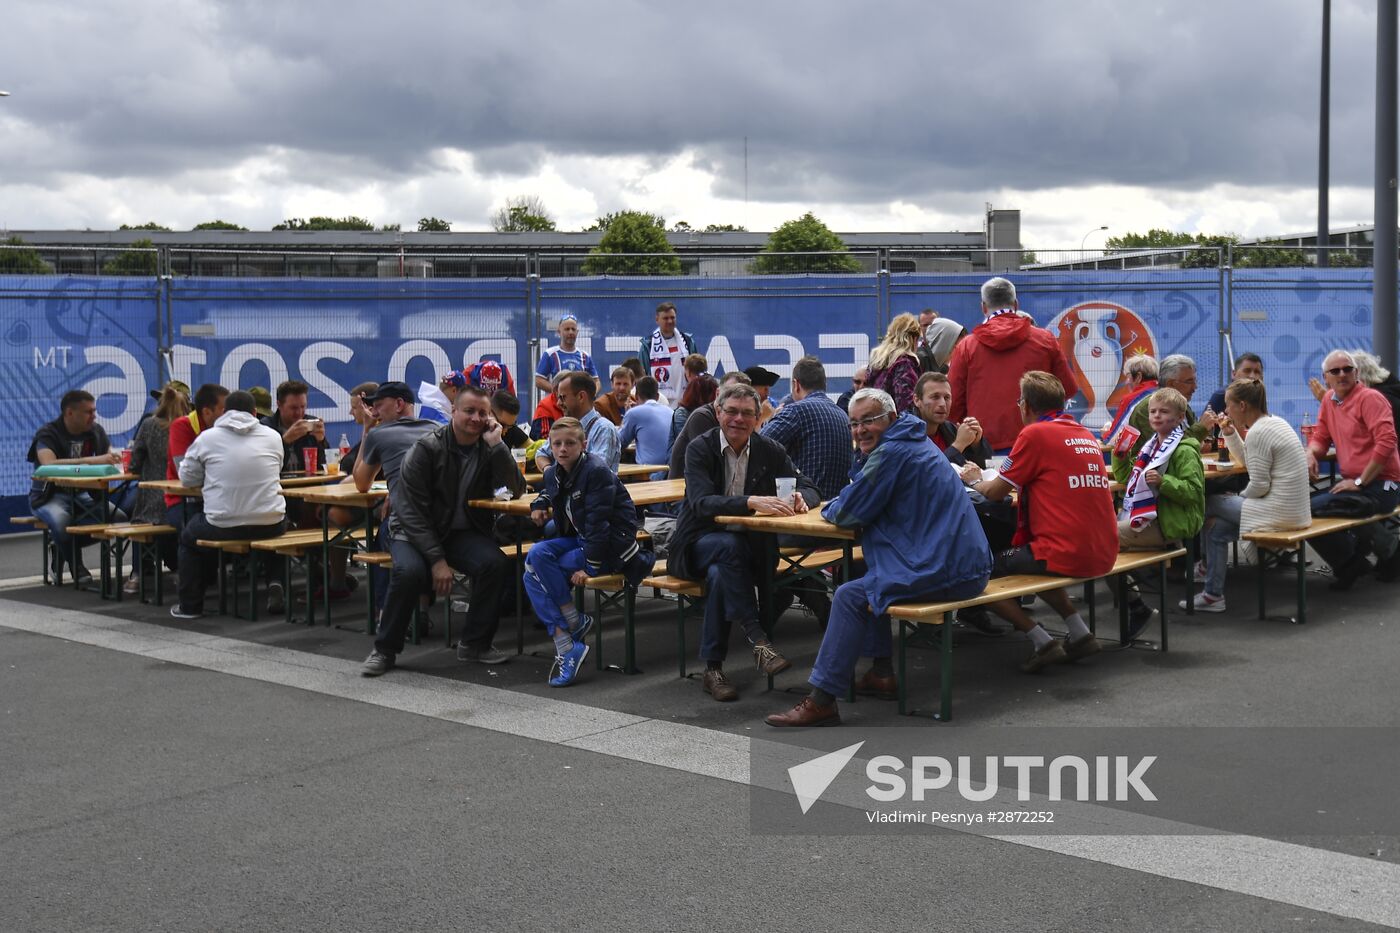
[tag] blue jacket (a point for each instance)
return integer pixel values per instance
(919, 532)
(593, 504)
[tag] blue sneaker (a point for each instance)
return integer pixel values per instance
(566, 666)
(585, 625)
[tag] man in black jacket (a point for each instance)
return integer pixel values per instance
(434, 534)
(731, 470)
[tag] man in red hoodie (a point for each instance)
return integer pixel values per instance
(986, 368)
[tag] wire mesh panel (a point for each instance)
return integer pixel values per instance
(1100, 317)
(1292, 318)
(62, 333)
(737, 321)
(333, 334)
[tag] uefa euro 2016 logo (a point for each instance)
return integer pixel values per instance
(1096, 337)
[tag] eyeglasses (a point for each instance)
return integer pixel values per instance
(867, 422)
(738, 413)
(1341, 370)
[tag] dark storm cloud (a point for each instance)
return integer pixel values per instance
(842, 102)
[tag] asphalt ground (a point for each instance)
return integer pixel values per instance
(153, 788)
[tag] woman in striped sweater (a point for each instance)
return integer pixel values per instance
(1276, 498)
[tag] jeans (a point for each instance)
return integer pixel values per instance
(548, 567)
(198, 564)
(466, 552)
(1224, 531)
(67, 507)
(1337, 549)
(855, 630)
(729, 591)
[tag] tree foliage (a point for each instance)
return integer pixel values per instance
(1260, 256)
(19, 261)
(725, 228)
(633, 243)
(325, 223)
(524, 214)
(219, 225)
(605, 221)
(139, 260)
(806, 234)
(433, 225)
(148, 225)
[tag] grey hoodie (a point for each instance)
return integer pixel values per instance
(239, 463)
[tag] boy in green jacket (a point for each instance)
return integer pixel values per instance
(1164, 502)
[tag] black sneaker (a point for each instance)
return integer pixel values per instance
(176, 612)
(1139, 614)
(488, 655)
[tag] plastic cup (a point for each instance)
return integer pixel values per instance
(519, 454)
(787, 485)
(332, 468)
(126, 460)
(309, 456)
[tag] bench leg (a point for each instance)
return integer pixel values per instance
(1123, 609)
(629, 636)
(223, 586)
(680, 634)
(44, 554)
(945, 674)
(1259, 568)
(1302, 586)
(902, 691)
(1190, 579)
(1162, 580)
(1089, 601)
(519, 573)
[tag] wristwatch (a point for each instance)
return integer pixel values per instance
(1356, 482)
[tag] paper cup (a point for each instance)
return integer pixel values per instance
(309, 456)
(787, 485)
(519, 454)
(126, 460)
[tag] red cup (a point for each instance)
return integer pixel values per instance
(126, 460)
(308, 456)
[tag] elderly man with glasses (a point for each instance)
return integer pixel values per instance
(1358, 420)
(732, 470)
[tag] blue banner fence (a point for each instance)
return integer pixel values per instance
(120, 337)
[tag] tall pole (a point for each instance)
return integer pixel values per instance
(1324, 118)
(1383, 298)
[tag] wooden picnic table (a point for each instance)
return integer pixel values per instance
(91, 514)
(90, 483)
(633, 472)
(650, 493)
(290, 485)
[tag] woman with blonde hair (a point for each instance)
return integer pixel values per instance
(148, 455)
(894, 364)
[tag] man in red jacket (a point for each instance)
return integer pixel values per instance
(986, 368)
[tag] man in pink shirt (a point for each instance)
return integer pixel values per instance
(1358, 420)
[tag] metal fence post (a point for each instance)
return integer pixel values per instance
(534, 328)
(882, 292)
(1227, 310)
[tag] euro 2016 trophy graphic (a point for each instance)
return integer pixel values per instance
(1097, 336)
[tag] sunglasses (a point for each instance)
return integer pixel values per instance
(1341, 370)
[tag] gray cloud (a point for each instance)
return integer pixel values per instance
(840, 102)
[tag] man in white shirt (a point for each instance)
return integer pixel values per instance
(664, 352)
(238, 461)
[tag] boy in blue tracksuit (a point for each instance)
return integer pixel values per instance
(922, 541)
(596, 524)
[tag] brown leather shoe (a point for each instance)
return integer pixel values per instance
(807, 713)
(767, 659)
(719, 687)
(1074, 650)
(876, 685)
(1052, 653)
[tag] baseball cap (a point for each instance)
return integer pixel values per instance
(399, 390)
(761, 377)
(453, 377)
(262, 400)
(155, 393)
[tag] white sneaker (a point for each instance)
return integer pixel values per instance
(1204, 602)
(1200, 574)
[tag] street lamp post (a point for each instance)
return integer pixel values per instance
(1089, 234)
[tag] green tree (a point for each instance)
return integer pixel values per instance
(1344, 259)
(1028, 258)
(605, 221)
(525, 214)
(725, 228)
(682, 226)
(633, 243)
(391, 228)
(1152, 239)
(433, 225)
(148, 225)
(21, 261)
(219, 225)
(139, 260)
(806, 234)
(325, 223)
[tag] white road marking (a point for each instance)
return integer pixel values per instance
(1315, 879)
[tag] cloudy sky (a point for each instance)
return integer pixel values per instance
(1190, 115)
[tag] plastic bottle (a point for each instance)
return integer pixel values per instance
(344, 444)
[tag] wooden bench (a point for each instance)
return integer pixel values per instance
(1295, 540)
(102, 533)
(911, 615)
(295, 547)
(145, 535)
(29, 521)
